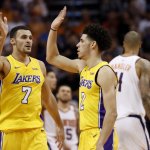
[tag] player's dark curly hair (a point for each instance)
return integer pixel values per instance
(100, 35)
(15, 29)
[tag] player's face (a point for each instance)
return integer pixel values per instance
(52, 80)
(23, 41)
(83, 47)
(64, 94)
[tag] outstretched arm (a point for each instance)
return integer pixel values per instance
(143, 71)
(3, 31)
(107, 81)
(49, 102)
(52, 55)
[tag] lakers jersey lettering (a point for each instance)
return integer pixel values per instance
(91, 106)
(86, 83)
(26, 78)
(20, 105)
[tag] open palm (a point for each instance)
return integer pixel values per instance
(59, 19)
(3, 25)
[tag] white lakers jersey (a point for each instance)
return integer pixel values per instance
(129, 99)
(70, 126)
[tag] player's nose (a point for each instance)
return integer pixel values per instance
(77, 45)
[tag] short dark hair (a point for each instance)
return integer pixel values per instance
(15, 29)
(100, 35)
(66, 85)
(132, 39)
(48, 69)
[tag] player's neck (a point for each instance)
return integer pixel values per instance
(23, 58)
(63, 106)
(129, 53)
(93, 61)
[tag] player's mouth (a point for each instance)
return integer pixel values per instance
(28, 46)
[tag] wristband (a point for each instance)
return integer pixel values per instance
(53, 29)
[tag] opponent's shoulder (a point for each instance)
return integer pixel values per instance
(143, 64)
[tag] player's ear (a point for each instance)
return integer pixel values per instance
(93, 44)
(12, 41)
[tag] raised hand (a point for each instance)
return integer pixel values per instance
(3, 26)
(3, 31)
(59, 19)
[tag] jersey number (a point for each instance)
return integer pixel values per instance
(68, 133)
(83, 96)
(27, 91)
(120, 80)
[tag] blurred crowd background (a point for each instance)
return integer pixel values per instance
(118, 16)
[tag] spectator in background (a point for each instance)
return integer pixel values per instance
(85, 20)
(49, 124)
(69, 115)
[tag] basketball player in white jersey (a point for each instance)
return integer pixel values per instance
(49, 124)
(133, 91)
(69, 116)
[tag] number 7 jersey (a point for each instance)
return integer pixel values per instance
(20, 102)
(128, 97)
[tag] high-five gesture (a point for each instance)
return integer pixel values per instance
(3, 26)
(3, 31)
(59, 19)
